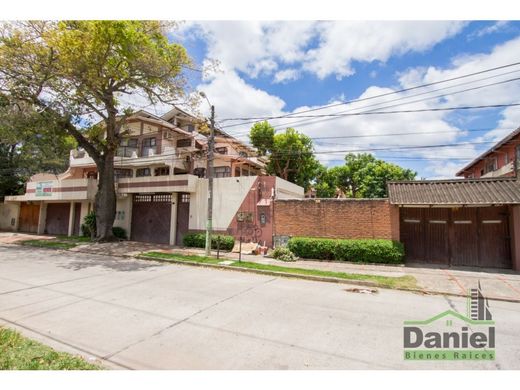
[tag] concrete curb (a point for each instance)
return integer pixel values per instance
(327, 279)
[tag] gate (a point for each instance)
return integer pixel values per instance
(29, 215)
(151, 217)
(183, 217)
(57, 221)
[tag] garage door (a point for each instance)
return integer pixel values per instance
(57, 221)
(151, 217)
(462, 236)
(29, 215)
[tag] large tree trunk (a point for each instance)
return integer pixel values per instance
(105, 202)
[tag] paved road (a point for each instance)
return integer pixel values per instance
(146, 315)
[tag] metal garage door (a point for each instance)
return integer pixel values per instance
(57, 221)
(151, 217)
(462, 236)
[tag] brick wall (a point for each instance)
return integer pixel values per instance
(336, 218)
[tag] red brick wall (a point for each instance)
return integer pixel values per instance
(336, 218)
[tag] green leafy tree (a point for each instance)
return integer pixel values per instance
(364, 176)
(77, 72)
(325, 184)
(291, 154)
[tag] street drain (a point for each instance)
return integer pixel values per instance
(361, 290)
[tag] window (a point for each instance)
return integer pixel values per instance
(506, 159)
(491, 165)
(127, 147)
(184, 143)
(148, 148)
(200, 172)
(242, 154)
(191, 128)
(221, 150)
(142, 172)
(121, 173)
(185, 198)
(222, 172)
(162, 171)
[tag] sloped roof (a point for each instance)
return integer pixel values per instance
(455, 192)
(498, 145)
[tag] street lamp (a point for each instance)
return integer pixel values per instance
(211, 142)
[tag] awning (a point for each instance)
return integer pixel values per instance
(491, 191)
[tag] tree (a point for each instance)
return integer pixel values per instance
(325, 184)
(364, 176)
(28, 145)
(291, 154)
(77, 72)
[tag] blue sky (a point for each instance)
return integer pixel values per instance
(279, 68)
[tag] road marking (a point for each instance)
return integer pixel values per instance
(454, 279)
(509, 285)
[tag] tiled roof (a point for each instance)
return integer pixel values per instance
(455, 192)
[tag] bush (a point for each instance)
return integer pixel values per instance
(198, 240)
(359, 251)
(119, 232)
(283, 254)
(88, 228)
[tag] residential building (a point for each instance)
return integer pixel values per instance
(160, 171)
(501, 160)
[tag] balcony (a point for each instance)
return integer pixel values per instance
(506, 170)
(148, 184)
(67, 190)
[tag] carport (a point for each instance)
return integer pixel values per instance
(470, 222)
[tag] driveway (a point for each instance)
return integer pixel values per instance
(136, 314)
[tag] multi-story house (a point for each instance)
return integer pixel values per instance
(160, 171)
(501, 160)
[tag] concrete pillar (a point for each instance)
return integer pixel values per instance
(42, 217)
(71, 219)
(173, 219)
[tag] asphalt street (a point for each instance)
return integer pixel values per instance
(137, 314)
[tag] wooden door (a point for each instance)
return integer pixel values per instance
(57, 221)
(412, 234)
(436, 222)
(464, 237)
(494, 240)
(183, 216)
(151, 217)
(29, 216)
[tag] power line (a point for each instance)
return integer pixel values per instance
(372, 97)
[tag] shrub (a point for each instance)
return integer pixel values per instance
(198, 240)
(359, 251)
(283, 254)
(119, 232)
(88, 228)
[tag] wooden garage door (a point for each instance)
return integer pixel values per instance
(151, 216)
(461, 236)
(57, 221)
(29, 215)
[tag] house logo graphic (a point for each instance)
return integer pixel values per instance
(451, 335)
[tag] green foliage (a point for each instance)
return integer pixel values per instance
(20, 353)
(283, 254)
(119, 232)
(88, 227)
(198, 240)
(362, 176)
(325, 186)
(360, 251)
(291, 154)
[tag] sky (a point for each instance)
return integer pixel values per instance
(258, 69)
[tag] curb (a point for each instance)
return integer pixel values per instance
(327, 279)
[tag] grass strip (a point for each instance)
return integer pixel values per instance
(406, 281)
(20, 353)
(49, 244)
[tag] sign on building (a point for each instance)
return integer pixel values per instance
(44, 188)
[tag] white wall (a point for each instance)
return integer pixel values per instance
(288, 190)
(229, 193)
(8, 211)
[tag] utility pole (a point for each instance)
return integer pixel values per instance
(211, 144)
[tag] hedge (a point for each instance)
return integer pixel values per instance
(359, 251)
(198, 240)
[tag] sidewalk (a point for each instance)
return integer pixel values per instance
(496, 284)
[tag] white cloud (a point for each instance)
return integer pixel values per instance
(341, 43)
(286, 75)
(261, 47)
(494, 28)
